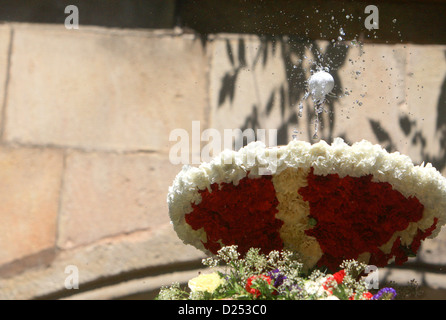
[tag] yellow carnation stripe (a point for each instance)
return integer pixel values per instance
(294, 211)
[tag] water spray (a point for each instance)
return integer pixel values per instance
(320, 84)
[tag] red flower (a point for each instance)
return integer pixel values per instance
(401, 253)
(329, 284)
(256, 292)
(366, 295)
(356, 215)
(242, 215)
(339, 276)
(422, 235)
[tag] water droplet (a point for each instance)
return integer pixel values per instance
(295, 132)
(301, 108)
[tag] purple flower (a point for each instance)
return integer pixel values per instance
(385, 294)
(277, 277)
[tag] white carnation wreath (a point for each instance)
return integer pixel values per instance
(362, 158)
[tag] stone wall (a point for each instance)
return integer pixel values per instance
(84, 151)
(84, 139)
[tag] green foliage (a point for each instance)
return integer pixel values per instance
(275, 276)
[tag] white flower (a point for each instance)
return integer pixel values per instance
(315, 288)
(332, 297)
(206, 282)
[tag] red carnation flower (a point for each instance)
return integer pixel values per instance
(242, 215)
(330, 282)
(253, 291)
(339, 276)
(356, 215)
(366, 295)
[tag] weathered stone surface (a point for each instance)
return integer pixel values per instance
(113, 90)
(259, 83)
(401, 277)
(431, 285)
(247, 77)
(29, 197)
(433, 251)
(436, 281)
(110, 194)
(5, 38)
(138, 287)
(372, 80)
(140, 252)
(425, 81)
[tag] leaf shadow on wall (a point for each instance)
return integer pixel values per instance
(286, 97)
(416, 136)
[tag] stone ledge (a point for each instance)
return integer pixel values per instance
(147, 287)
(138, 253)
(93, 29)
(433, 280)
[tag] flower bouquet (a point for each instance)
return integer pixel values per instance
(325, 203)
(276, 276)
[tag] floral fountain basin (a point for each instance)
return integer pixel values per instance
(327, 203)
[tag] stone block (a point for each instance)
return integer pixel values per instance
(29, 197)
(107, 194)
(102, 89)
